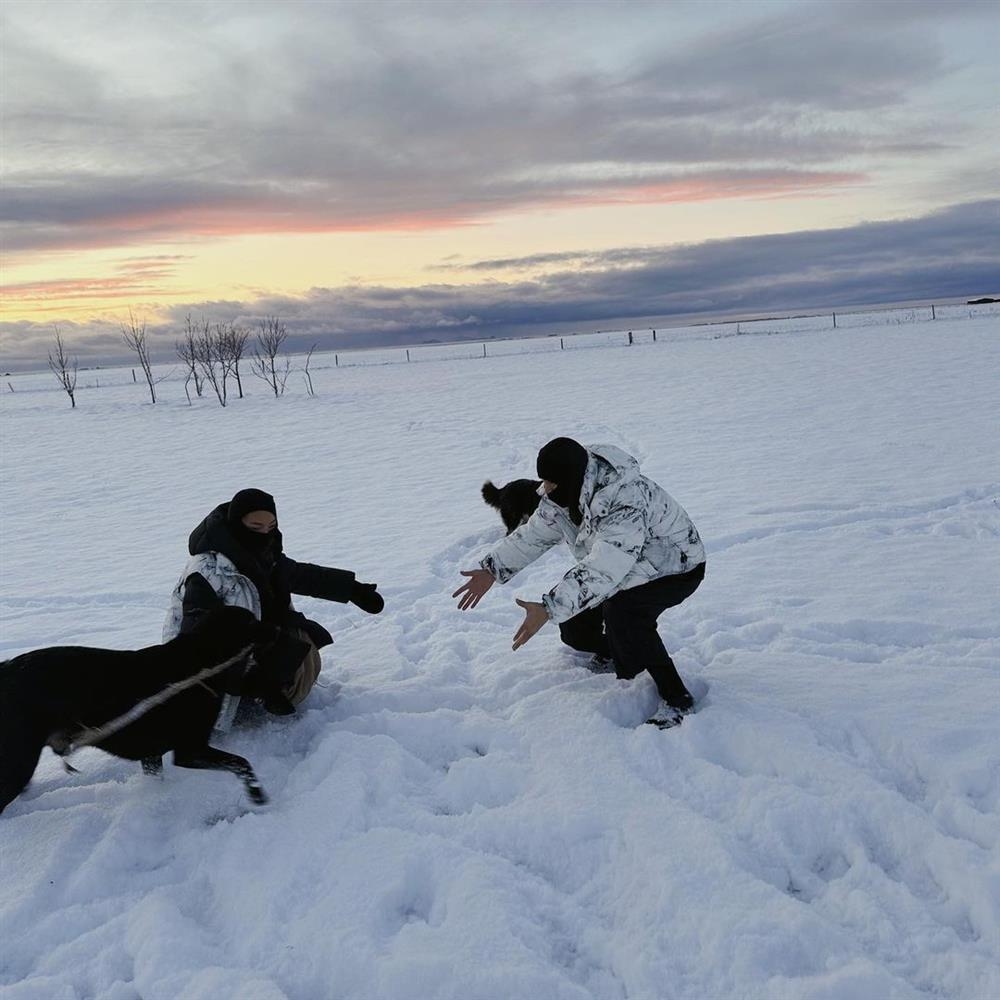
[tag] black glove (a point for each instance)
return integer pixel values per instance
(367, 597)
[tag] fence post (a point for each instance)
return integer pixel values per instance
(134, 379)
(484, 350)
(933, 313)
(562, 346)
(654, 336)
(737, 327)
(630, 338)
(835, 321)
(407, 354)
(336, 361)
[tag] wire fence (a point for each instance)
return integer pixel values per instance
(624, 338)
(92, 378)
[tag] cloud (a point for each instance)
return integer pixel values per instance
(324, 117)
(104, 212)
(946, 254)
(135, 277)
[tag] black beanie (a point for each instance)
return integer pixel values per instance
(563, 461)
(249, 500)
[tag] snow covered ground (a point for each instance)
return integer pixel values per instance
(450, 819)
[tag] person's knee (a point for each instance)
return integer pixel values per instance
(306, 675)
(585, 632)
(617, 615)
(575, 637)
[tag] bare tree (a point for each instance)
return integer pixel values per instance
(187, 351)
(64, 369)
(236, 346)
(134, 335)
(270, 336)
(309, 381)
(212, 360)
(225, 341)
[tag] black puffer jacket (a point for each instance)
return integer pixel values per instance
(275, 576)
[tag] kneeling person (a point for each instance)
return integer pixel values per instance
(237, 559)
(637, 553)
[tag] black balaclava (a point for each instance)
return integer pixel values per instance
(264, 547)
(563, 461)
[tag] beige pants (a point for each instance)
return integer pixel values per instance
(308, 671)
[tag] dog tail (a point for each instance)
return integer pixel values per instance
(491, 495)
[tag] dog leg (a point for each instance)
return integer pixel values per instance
(153, 766)
(210, 759)
(21, 745)
(17, 765)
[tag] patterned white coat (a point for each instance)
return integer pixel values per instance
(632, 532)
(234, 588)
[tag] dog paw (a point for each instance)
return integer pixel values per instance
(257, 795)
(152, 766)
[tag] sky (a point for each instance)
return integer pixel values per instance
(389, 172)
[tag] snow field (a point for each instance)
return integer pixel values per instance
(452, 819)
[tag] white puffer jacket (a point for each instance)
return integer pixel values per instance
(632, 532)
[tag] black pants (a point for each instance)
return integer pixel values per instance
(624, 628)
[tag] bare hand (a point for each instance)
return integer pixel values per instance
(535, 616)
(472, 591)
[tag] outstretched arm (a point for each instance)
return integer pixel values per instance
(310, 580)
(474, 589)
(535, 616)
(523, 545)
(329, 584)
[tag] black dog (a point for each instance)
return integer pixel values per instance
(516, 501)
(136, 704)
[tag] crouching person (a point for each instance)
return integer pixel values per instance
(237, 559)
(637, 553)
